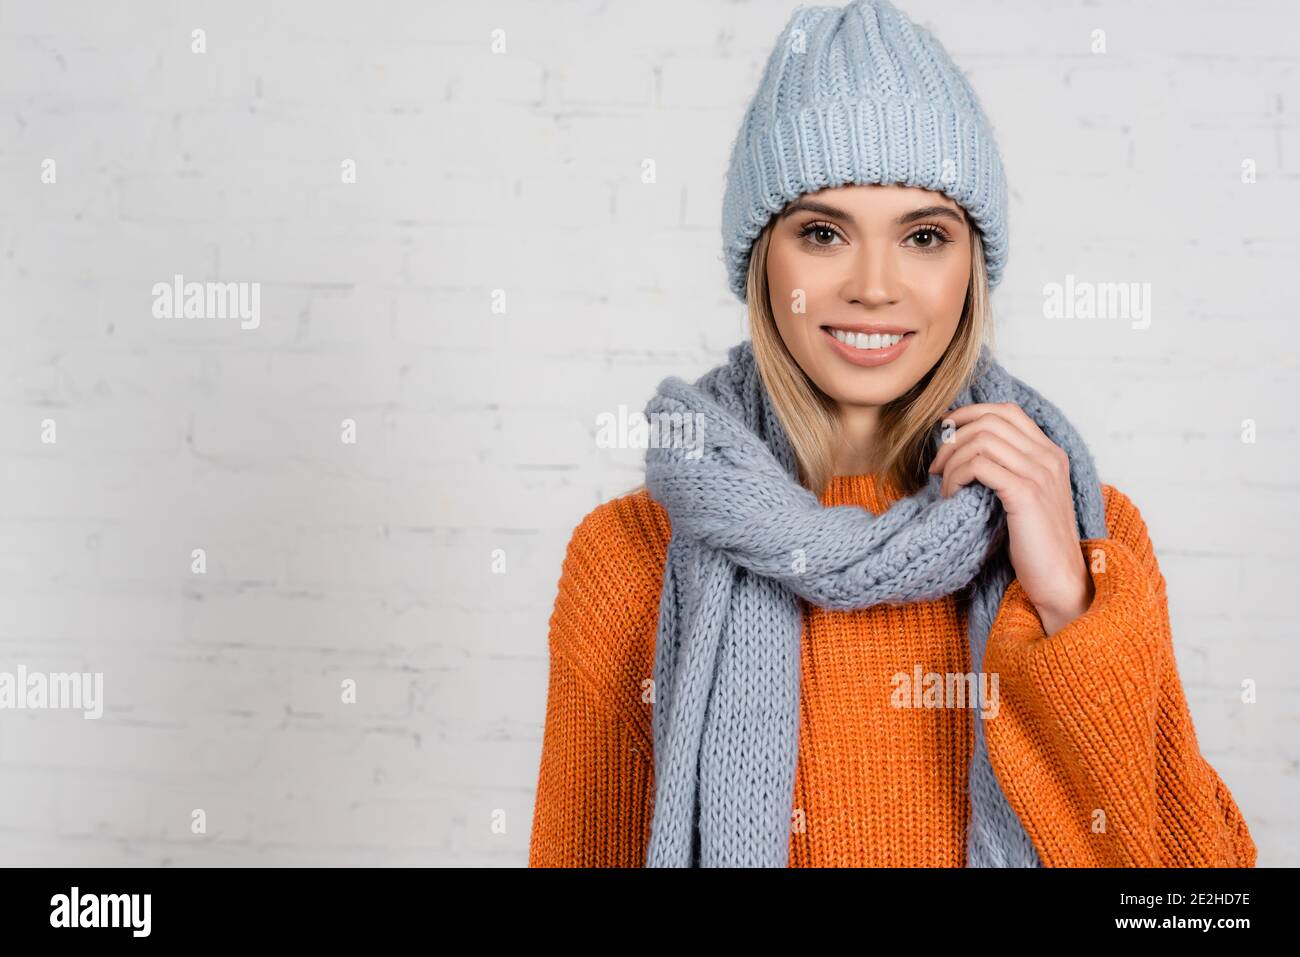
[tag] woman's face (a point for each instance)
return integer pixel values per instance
(847, 262)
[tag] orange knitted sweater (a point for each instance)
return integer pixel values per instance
(1093, 742)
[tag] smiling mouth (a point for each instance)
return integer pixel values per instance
(867, 341)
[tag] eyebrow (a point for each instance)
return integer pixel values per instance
(924, 212)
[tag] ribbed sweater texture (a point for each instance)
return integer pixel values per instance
(1093, 742)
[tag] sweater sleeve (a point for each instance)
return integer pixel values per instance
(594, 787)
(595, 783)
(1093, 741)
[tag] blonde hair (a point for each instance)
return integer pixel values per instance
(901, 448)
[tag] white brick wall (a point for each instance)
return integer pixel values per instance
(521, 172)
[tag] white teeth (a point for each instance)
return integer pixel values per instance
(860, 340)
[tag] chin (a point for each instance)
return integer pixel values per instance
(857, 390)
(851, 396)
(862, 386)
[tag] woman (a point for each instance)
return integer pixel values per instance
(873, 606)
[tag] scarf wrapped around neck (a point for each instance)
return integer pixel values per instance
(748, 541)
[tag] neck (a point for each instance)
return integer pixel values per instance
(855, 454)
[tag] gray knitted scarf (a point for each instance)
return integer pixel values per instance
(747, 542)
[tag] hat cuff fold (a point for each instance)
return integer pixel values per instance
(846, 140)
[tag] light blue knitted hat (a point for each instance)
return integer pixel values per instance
(860, 94)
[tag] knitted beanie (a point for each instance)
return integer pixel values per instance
(860, 94)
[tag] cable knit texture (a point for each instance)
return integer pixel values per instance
(860, 94)
(1094, 742)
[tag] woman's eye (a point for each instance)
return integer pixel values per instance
(929, 239)
(820, 235)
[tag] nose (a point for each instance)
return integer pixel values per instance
(873, 275)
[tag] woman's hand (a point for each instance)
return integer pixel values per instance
(1000, 446)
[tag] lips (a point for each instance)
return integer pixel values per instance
(870, 346)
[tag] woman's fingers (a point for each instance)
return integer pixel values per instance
(991, 446)
(993, 418)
